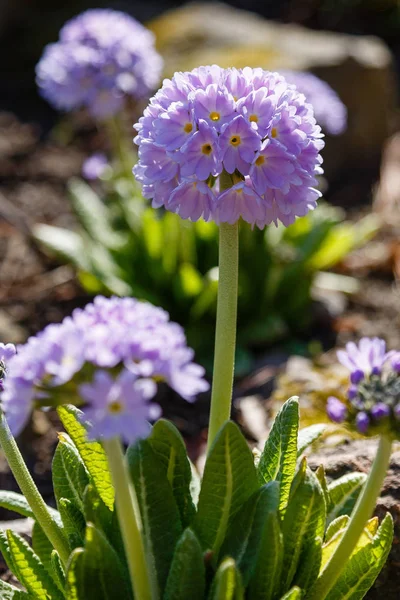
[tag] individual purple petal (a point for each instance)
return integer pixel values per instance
(380, 411)
(213, 105)
(192, 200)
(174, 127)
(201, 156)
(336, 410)
(259, 108)
(239, 201)
(272, 167)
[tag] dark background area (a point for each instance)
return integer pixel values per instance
(26, 26)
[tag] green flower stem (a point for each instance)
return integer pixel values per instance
(225, 334)
(362, 511)
(130, 520)
(31, 493)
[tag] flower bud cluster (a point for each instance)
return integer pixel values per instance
(373, 396)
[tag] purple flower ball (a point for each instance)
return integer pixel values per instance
(336, 410)
(110, 336)
(102, 57)
(329, 110)
(94, 166)
(362, 422)
(226, 144)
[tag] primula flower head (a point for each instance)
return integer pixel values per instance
(226, 144)
(373, 396)
(329, 110)
(102, 56)
(108, 357)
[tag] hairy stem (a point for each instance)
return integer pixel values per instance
(31, 493)
(362, 511)
(130, 520)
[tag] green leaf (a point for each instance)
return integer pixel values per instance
(229, 480)
(6, 552)
(308, 436)
(169, 447)
(278, 459)
(63, 242)
(335, 533)
(364, 565)
(303, 524)
(74, 522)
(30, 571)
(92, 454)
(96, 511)
(9, 592)
(19, 504)
(70, 477)
(42, 546)
(93, 215)
(187, 578)
(161, 522)
(95, 571)
(265, 582)
(245, 533)
(293, 594)
(343, 494)
(58, 570)
(227, 583)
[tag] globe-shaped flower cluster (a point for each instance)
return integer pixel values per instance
(373, 397)
(329, 110)
(109, 357)
(102, 57)
(226, 143)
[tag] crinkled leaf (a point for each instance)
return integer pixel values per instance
(70, 477)
(74, 522)
(96, 511)
(229, 480)
(187, 578)
(364, 565)
(95, 571)
(303, 524)
(30, 571)
(278, 459)
(169, 447)
(343, 493)
(161, 521)
(308, 436)
(227, 583)
(10, 592)
(246, 531)
(92, 454)
(42, 546)
(6, 552)
(265, 582)
(57, 570)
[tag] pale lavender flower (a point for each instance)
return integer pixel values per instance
(95, 166)
(118, 407)
(368, 357)
(101, 58)
(116, 334)
(329, 110)
(248, 125)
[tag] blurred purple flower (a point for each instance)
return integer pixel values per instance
(249, 125)
(368, 357)
(329, 110)
(337, 411)
(362, 422)
(94, 166)
(102, 57)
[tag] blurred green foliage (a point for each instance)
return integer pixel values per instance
(124, 247)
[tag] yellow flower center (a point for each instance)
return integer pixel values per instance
(253, 118)
(115, 407)
(188, 128)
(274, 132)
(206, 149)
(215, 116)
(260, 160)
(235, 140)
